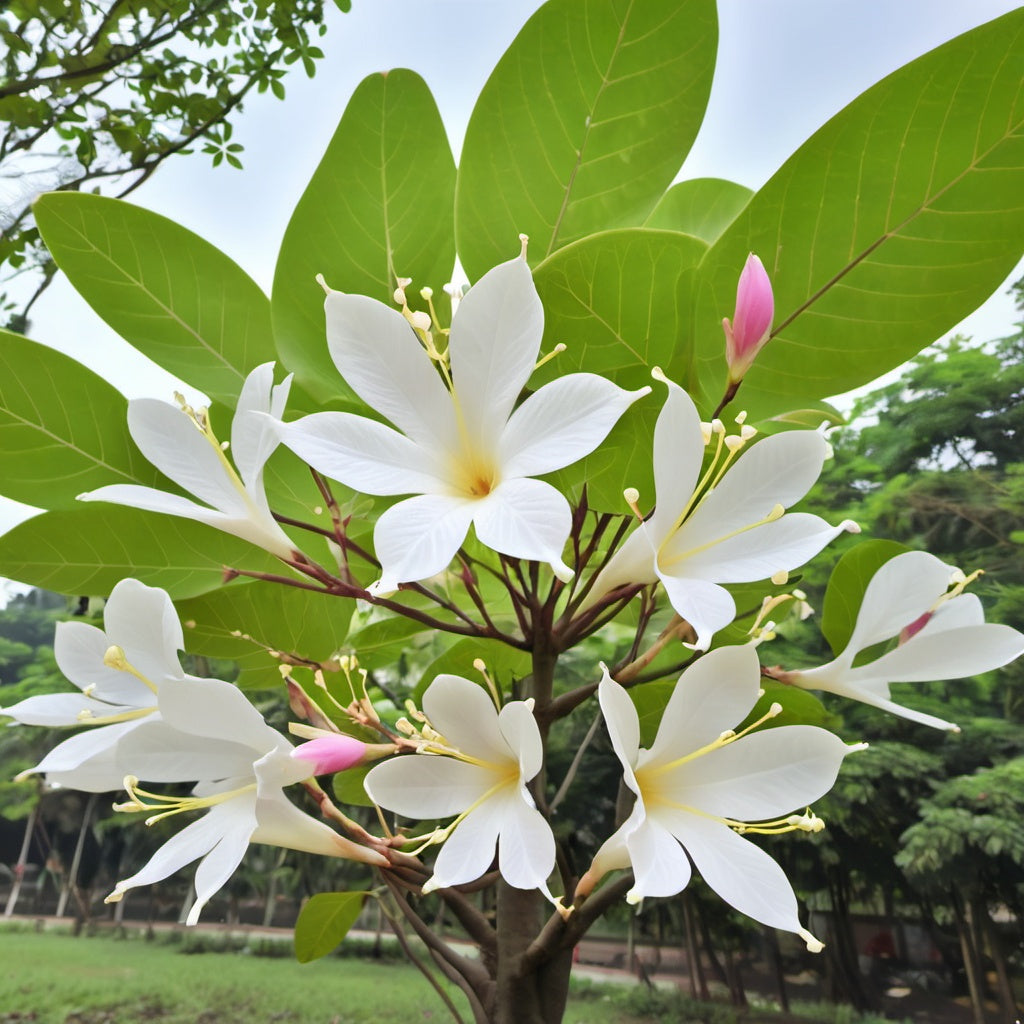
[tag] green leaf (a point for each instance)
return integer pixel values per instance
(348, 787)
(166, 291)
(378, 207)
(583, 123)
(846, 588)
(64, 429)
(505, 664)
(798, 708)
(703, 207)
(87, 550)
(886, 228)
(324, 921)
(244, 622)
(620, 301)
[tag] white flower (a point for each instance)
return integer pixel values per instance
(701, 785)
(942, 636)
(180, 442)
(210, 732)
(724, 527)
(120, 670)
(460, 449)
(492, 756)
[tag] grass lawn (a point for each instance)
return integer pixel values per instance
(53, 978)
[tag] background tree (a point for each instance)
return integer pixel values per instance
(103, 91)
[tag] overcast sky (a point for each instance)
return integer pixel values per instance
(784, 68)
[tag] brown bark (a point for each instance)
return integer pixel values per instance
(971, 965)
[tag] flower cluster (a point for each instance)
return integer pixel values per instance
(467, 448)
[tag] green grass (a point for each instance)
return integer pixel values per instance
(64, 980)
(192, 977)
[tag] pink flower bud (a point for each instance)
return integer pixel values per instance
(330, 754)
(752, 322)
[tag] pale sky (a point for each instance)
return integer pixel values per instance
(784, 68)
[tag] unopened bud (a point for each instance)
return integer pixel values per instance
(751, 324)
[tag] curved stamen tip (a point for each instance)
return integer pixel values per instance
(813, 945)
(524, 240)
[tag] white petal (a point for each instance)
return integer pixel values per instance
(192, 842)
(660, 866)
(60, 709)
(756, 554)
(614, 853)
(522, 734)
(161, 753)
(714, 694)
(418, 537)
(678, 454)
(422, 786)
(959, 611)
(777, 471)
(632, 563)
(741, 873)
(946, 654)
(236, 821)
(253, 437)
(761, 776)
(526, 519)
(88, 761)
(469, 850)
(216, 710)
(143, 622)
(705, 606)
(899, 593)
(463, 712)
(526, 845)
(173, 443)
(622, 722)
(382, 360)
(561, 423)
(151, 500)
(363, 454)
(494, 342)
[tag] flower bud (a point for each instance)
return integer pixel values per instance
(752, 322)
(331, 753)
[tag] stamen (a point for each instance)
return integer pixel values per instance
(632, 498)
(167, 806)
(114, 657)
(556, 351)
(481, 667)
(777, 512)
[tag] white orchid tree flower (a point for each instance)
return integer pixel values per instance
(211, 733)
(726, 525)
(701, 786)
(462, 447)
(120, 671)
(942, 635)
(474, 762)
(180, 442)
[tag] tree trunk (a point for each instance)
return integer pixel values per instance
(1007, 998)
(971, 965)
(698, 982)
(525, 995)
(19, 868)
(775, 957)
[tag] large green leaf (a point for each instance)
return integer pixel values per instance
(63, 429)
(703, 207)
(583, 123)
(87, 550)
(173, 296)
(620, 301)
(378, 207)
(324, 921)
(892, 223)
(244, 623)
(846, 588)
